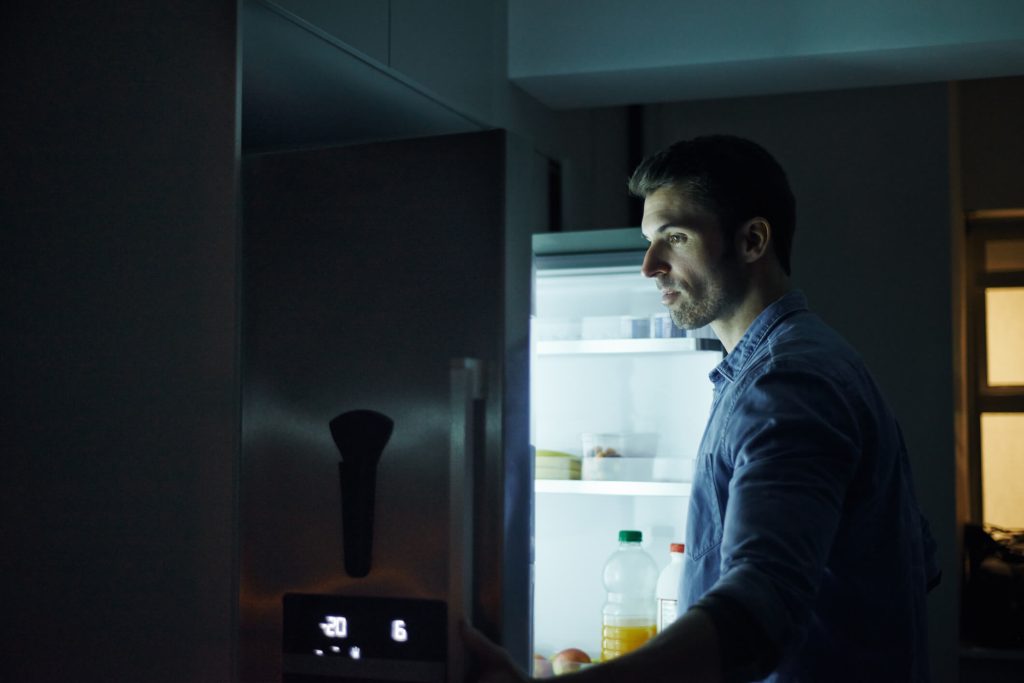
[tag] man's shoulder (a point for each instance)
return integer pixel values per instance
(803, 346)
(805, 339)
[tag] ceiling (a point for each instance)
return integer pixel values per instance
(592, 53)
(304, 86)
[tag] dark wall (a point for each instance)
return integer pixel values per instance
(870, 170)
(118, 350)
(992, 142)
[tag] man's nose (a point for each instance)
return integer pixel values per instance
(653, 264)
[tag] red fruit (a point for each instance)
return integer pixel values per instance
(569, 660)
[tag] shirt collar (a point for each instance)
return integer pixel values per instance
(732, 365)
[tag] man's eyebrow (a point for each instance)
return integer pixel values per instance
(662, 228)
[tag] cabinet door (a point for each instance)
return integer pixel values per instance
(361, 24)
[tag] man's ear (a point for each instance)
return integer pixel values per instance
(753, 238)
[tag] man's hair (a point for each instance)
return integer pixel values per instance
(733, 178)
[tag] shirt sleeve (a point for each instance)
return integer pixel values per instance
(795, 444)
(746, 654)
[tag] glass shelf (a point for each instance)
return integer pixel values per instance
(613, 488)
(587, 346)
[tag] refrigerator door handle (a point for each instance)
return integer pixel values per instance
(467, 409)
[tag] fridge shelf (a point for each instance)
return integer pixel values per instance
(594, 346)
(613, 488)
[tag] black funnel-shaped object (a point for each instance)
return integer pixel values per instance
(360, 436)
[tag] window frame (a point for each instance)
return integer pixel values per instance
(983, 227)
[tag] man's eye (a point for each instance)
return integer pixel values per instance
(677, 238)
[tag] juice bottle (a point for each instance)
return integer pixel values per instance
(630, 579)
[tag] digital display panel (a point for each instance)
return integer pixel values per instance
(331, 637)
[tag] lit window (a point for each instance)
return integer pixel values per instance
(995, 351)
(1004, 334)
(1002, 468)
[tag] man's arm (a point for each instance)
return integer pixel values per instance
(686, 651)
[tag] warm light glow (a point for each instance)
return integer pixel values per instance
(1002, 468)
(1004, 330)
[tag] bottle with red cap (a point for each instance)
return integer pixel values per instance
(668, 586)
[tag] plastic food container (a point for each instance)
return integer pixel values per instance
(556, 329)
(615, 327)
(619, 456)
(662, 327)
(674, 469)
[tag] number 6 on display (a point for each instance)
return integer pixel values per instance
(398, 632)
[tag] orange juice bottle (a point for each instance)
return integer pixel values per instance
(619, 639)
(629, 614)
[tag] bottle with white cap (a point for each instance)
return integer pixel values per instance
(668, 587)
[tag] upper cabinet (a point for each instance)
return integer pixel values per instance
(318, 73)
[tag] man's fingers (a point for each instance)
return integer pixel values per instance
(481, 646)
(489, 662)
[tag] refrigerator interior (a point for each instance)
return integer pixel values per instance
(586, 378)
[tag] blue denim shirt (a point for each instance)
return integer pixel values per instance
(803, 510)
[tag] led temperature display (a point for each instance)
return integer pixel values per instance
(361, 629)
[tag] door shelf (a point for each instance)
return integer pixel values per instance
(594, 346)
(613, 488)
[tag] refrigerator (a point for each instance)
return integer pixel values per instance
(608, 370)
(413, 279)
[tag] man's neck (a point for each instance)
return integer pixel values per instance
(759, 296)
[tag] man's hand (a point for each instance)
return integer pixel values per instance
(688, 650)
(488, 662)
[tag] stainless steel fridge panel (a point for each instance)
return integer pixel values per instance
(367, 269)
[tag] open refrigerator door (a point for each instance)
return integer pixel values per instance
(618, 402)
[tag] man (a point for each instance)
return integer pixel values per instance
(807, 557)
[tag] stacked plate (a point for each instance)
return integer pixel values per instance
(556, 465)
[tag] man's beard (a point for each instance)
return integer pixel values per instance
(715, 299)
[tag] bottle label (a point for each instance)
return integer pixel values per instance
(667, 610)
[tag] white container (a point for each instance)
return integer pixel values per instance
(556, 329)
(615, 327)
(668, 587)
(662, 327)
(619, 456)
(618, 469)
(619, 444)
(673, 469)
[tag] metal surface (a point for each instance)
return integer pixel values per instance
(467, 400)
(366, 270)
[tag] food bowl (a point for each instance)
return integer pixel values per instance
(619, 456)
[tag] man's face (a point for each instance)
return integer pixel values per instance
(697, 272)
